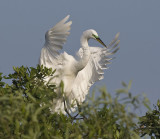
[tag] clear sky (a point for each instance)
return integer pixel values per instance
(23, 25)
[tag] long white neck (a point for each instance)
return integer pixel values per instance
(86, 53)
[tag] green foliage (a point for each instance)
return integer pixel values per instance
(20, 102)
(25, 114)
(150, 123)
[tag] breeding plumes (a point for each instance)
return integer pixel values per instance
(77, 75)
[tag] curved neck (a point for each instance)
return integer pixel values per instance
(86, 53)
(84, 42)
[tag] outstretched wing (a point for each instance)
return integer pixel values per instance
(54, 39)
(94, 70)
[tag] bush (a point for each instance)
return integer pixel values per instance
(24, 110)
(150, 123)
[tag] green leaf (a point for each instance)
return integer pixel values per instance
(124, 84)
(129, 85)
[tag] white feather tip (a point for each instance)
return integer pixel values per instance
(117, 35)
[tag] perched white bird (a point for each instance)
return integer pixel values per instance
(77, 75)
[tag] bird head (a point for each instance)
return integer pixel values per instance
(92, 34)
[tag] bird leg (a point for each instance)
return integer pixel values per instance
(72, 117)
(65, 108)
(79, 109)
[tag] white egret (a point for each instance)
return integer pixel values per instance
(77, 75)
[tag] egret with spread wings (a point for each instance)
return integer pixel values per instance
(77, 75)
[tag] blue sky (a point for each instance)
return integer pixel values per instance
(23, 25)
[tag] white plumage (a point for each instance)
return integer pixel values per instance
(77, 75)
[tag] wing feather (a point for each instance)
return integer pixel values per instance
(54, 40)
(94, 70)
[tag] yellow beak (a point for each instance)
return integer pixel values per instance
(101, 42)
